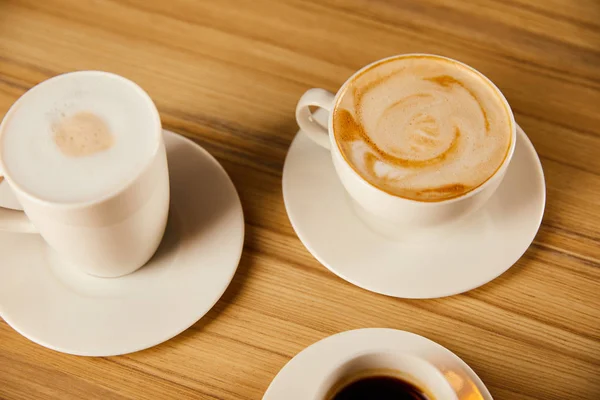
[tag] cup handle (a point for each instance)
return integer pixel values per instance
(319, 98)
(14, 220)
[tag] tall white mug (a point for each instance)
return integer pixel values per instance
(391, 215)
(119, 230)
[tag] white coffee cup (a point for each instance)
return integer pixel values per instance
(388, 214)
(411, 369)
(116, 232)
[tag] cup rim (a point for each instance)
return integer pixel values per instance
(499, 171)
(326, 388)
(144, 96)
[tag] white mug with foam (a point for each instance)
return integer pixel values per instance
(105, 212)
(392, 215)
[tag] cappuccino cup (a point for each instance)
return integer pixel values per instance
(418, 141)
(84, 154)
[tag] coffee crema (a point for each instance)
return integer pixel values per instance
(422, 127)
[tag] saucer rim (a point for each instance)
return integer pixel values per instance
(532, 154)
(149, 344)
(356, 342)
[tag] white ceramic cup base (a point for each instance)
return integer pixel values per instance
(302, 377)
(59, 306)
(440, 262)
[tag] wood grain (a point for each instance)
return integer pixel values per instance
(228, 74)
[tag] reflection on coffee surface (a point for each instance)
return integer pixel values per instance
(422, 127)
(82, 134)
(379, 387)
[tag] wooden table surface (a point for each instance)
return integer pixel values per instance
(228, 74)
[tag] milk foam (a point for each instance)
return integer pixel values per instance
(422, 127)
(82, 134)
(44, 167)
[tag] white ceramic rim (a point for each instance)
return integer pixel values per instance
(157, 137)
(359, 340)
(314, 249)
(35, 338)
(499, 171)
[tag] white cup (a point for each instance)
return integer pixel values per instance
(411, 369)
(115, 233)
(388, 214)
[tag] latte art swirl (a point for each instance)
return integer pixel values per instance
(422, 127)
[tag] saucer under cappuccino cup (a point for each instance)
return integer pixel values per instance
(417, 140)
(84, 154)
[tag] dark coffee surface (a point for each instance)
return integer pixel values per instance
(380, 387)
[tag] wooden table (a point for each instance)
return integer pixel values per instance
(228, 74)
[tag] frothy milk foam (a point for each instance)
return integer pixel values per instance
(77, 138)
(422, 127)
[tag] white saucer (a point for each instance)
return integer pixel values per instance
(62, 308)
(449, 261)
(300, 377)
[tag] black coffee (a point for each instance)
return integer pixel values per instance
(380, 387)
